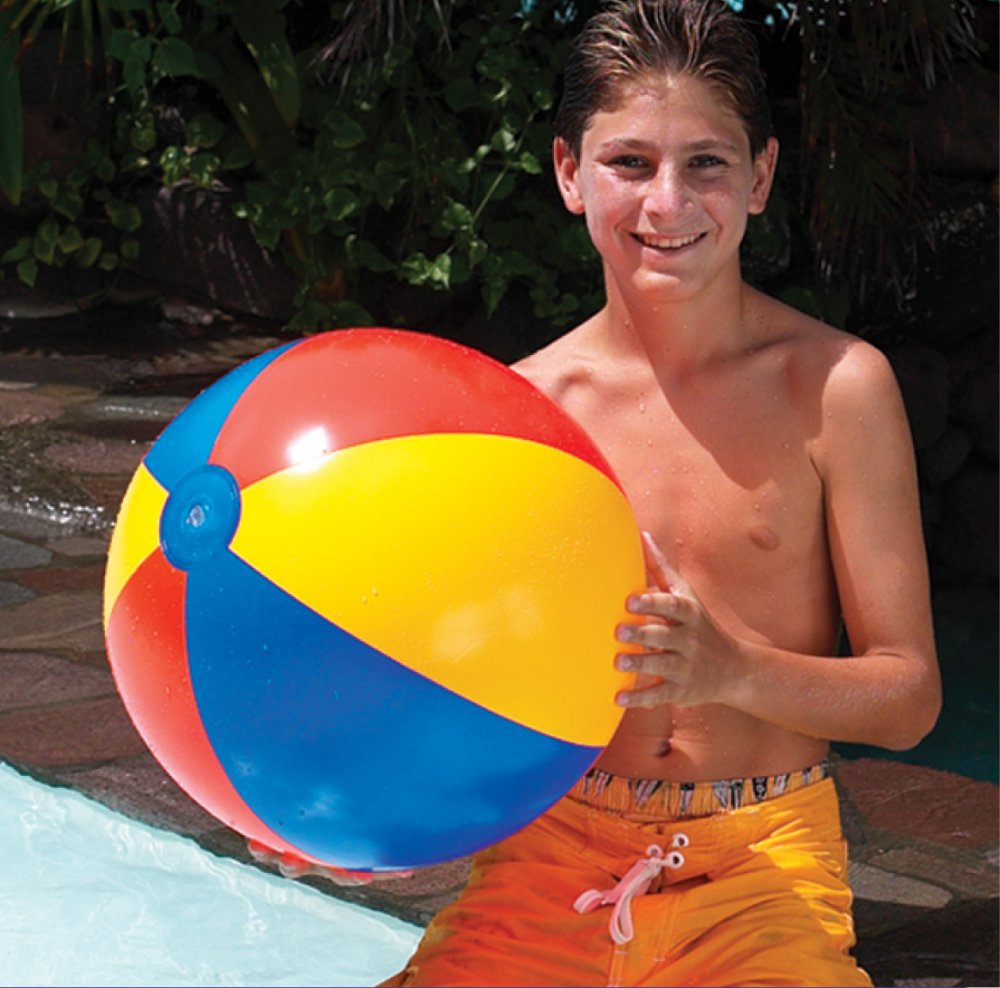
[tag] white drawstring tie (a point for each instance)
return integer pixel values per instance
(635, 881)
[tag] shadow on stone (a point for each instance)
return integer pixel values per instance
(897, 944)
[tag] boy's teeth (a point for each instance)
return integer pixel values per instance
(669, 242)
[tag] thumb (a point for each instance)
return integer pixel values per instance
(660, 571)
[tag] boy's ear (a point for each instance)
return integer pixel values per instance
(764, 166)
(567, 174)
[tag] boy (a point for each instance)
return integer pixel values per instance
(768, 459)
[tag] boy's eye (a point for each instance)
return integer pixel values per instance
(707, 161)
(629, 161)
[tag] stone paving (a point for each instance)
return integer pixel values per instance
(73, 427)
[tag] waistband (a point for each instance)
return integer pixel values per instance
(659, 799)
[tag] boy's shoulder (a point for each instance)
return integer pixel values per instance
(567, 360)
(836, 356)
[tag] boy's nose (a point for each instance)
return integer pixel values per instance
(667, 193)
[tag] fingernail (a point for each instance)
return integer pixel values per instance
(626, 633)
(622, 699)
(625, 663)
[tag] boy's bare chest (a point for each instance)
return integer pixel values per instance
(728, 486)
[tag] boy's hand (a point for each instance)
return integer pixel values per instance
(292, 866)
(689, 658)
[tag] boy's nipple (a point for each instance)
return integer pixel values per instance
(766, 538)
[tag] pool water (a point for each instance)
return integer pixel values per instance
(88, 897)
(965, 737)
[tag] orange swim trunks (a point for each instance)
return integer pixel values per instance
(640, 882)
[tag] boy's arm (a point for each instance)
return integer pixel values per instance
(887, 692)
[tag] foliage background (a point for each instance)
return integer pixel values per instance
(396, 154)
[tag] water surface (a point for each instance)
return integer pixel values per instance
(88, 897)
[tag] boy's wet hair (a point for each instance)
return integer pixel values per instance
(633, 40)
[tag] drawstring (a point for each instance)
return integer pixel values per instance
(635, 881)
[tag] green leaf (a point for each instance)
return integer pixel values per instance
(439, 271)
(503, 140)
(456, 216)
(120, 43)
(801, 298)
(12, 145)
(142, 134)
(478, 250)
(340, 203)
(123, 215)
(70, 239)
(237, 157)
(387, 183)
(68, 202)
(204, 130)
(263, 32)
(344, 131)
(27, 270)
(364, 254)
(461, 94)
(347, 313)
(203, 167)
(492, 294)
(89, 253)
(169, 17)
(105, 169)
(174, 57)
(134, 66)
(529, 163)
(18, 251)
(46, 238)
(417, 269)
(128, 6)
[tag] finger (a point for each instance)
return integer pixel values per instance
(656, 562)
(658, 663)
(340, 876)
(654, 695)
(348, 879)
(343, 877)
(652, 636)
(292, 866)
(661, 572)
(262, 853)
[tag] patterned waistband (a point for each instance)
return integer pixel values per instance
(659, 799)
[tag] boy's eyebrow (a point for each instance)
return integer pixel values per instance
(639, 144)
(712, 144)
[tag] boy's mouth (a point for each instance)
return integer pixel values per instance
(667, 243)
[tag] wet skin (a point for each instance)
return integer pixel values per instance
(767, 455)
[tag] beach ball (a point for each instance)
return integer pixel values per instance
(361, 598)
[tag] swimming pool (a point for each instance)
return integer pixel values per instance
(88, 897)
(964, 740)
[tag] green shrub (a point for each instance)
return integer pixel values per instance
(415, 158)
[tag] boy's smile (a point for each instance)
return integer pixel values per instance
(668, 243)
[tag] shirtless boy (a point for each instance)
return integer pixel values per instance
(768, 458)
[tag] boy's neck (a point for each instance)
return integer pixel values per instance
(681, 336)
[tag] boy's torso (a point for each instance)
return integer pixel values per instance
(718, 467)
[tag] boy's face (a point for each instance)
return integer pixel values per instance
(666, 182)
